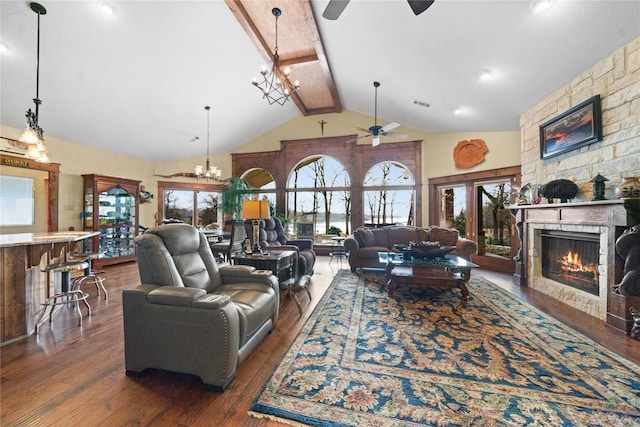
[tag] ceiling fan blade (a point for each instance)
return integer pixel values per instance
(390, 126)
(334, 9)
(419, 6)
(395, 134)
(363, 130)
(375, 141)
(357, 138)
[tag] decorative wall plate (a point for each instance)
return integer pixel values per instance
(469, 153)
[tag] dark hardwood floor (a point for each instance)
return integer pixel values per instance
(71, 376)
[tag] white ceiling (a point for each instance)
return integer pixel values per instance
(137, 82)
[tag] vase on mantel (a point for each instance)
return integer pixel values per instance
(629, 188)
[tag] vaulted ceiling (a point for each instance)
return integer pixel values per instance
(137, 82)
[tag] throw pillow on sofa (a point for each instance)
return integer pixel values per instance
(446, 236)
(365, 237)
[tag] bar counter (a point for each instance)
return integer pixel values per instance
(22, 285)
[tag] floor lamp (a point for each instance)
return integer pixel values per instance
(256, 210)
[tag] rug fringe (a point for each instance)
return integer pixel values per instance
(277, 419)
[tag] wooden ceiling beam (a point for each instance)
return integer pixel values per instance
(300, 45)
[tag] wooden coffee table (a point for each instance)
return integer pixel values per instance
(449, 271)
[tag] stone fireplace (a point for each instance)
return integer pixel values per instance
(552, 280)
(568, 253)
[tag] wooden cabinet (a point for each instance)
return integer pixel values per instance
(111, 208)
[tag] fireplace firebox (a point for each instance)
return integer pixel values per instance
(571, 258)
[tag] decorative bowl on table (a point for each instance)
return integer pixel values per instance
(426, 250)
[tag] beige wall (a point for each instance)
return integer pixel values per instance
(617, 80)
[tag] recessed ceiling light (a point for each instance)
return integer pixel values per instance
(105, 8)
(457, 111)
(3, 48)
(485, 75)
(541, 5)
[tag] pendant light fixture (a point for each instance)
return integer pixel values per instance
(275, 85)
(208, 172)
(33, 133)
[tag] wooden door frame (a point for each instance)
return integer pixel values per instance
(469, 181)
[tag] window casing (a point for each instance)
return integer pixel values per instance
(196, 204)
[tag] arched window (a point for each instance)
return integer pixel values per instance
(318, 197)
(389, 196)
(262, 185)
(289, 167)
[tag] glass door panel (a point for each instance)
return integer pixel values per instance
(453, 208)
(475, 206)
(494, 220)
(117, 216)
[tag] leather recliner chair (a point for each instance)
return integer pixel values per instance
(191, 316)
(272, 236)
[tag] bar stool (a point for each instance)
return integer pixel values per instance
(67, 295)
(90, 275)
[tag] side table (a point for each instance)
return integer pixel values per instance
(283, 265)
(338, 249)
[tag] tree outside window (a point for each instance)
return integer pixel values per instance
(319, 197)
(385, 199)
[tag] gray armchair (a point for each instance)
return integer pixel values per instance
(272, 236)
(191, 316)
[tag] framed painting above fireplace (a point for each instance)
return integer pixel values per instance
(579, 126)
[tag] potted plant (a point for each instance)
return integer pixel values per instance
(233, 194)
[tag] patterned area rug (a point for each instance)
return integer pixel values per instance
(363, 359)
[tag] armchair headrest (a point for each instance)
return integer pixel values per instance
(178, 238)
(176, 255)
(272, 232)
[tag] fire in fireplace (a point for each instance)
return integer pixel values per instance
(571, 258)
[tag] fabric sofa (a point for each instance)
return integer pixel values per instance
(365, 243)
(191, 316)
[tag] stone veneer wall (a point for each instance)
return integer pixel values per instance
(617, 80)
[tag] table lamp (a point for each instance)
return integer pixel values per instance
(256, 210)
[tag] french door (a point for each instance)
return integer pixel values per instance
(474, 204)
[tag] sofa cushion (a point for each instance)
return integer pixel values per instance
(365, 237)
(446, 236)
(381, 237)
(403, 235)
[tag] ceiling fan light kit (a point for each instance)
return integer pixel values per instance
(275, 85)
(376, 131)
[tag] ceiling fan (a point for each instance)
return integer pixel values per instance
(335, 7)
(376, 131)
